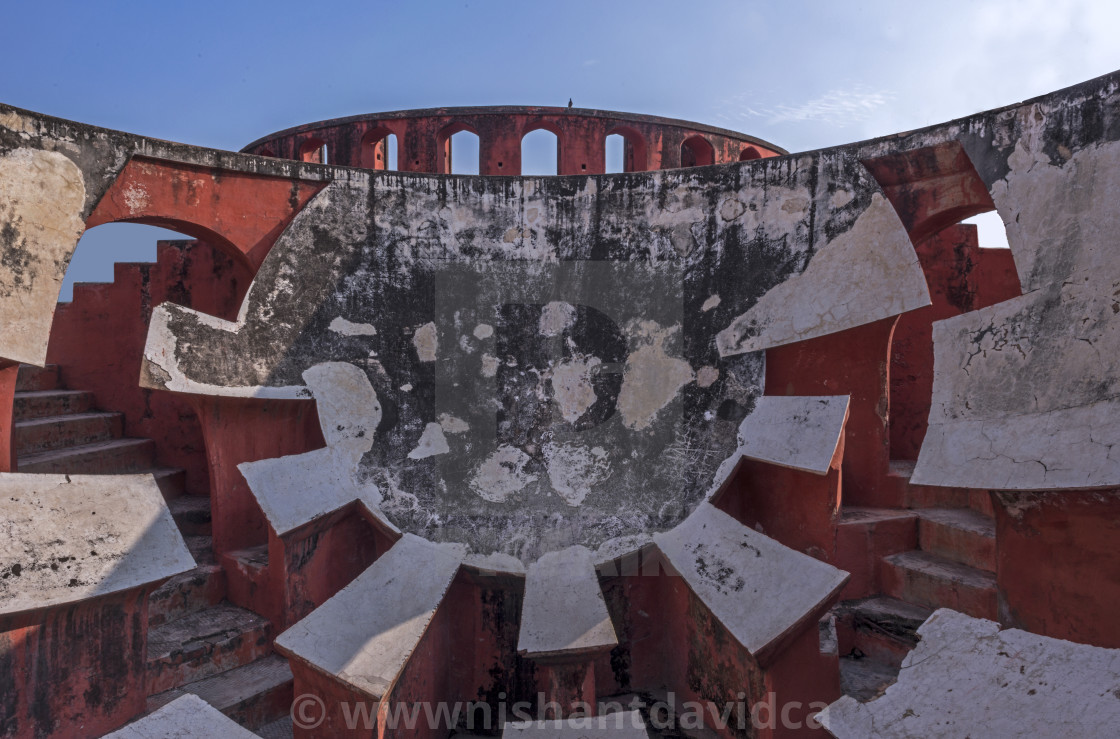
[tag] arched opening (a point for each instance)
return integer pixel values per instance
(540, 152)
(313, 150)
(748, 153)
(101, 247)
(379, 149)
(625, 151)
(697, 152)
(458, 149)
(266, 152)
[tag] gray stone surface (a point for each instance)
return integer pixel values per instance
(759, 589)
(968, 678)
(66, 538)
(188, 717)
(365, 633)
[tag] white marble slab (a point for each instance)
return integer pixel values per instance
(758, 588)
(564, 611)
(798, 432)
(364, 635)
(188, 717)
(968, 678)
(68, 538)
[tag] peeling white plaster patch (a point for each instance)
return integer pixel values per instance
(432, 442)
(556, 317)
(651, 378)
(706, 376)
(572, 390)
(453, 425)
(502, 474)
(866, 273)
(136, 198)
(426, 341)
(483, 331)
(574, 470)
(489, 365)
(406, 388)
(710, 303)
(341, 326)
(42, 195)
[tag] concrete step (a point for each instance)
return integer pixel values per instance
(205, 643)
(926, 496)
(281, 728)
(865, 678)
(172, 481)
(931, 581)
(190, 592)
(246, 572)
(59, 432)
(864, 536)
(960, 534)
(41, 403)
(254, 695)
(191, 514)
(881, 628)
(30, 378)
(202, 549)
(113, 457)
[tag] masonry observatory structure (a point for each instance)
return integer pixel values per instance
(730, 442)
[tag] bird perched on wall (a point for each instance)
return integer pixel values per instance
(569, 102)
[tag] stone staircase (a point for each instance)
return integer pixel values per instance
(940, 553)
(197, 641)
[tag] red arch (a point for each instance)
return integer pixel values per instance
(240, 214)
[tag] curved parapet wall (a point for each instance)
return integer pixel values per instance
(424, 140)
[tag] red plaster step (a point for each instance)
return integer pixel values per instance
(113, 457)
(190, 592)
(58, 432)
(246, 572)
(172, 481)
(928, 580)
(40, 403)
(205, 643)
(960, 534)
(865, 678)
(880, 628)
(864, 536)
(192, 514)
(254, 695)
(926, 496)
(31, 378)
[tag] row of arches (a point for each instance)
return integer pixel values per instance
(541, 147)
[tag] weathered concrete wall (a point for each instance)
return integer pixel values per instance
(589, 311)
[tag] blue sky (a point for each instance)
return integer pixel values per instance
(801, 74)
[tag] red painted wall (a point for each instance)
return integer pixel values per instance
(98, 342)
